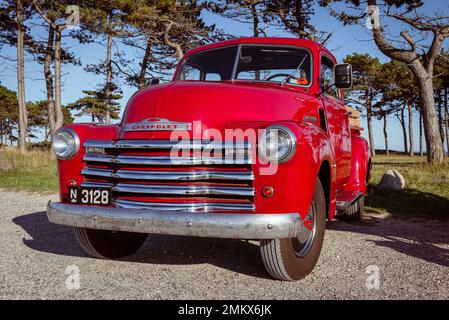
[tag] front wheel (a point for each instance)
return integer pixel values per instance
(109, 244)
(293, 259)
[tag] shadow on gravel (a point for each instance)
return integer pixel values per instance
(418, 239)
(234, 255)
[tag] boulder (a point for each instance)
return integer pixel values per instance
(392, 180)
(5, 164)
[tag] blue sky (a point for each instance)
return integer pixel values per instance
(345, 40)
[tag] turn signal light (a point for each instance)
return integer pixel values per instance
(268, 192)
(72, 183)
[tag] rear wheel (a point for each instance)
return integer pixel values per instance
(109, 244)
(293, 259)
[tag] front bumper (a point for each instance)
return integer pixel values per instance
(198, 224)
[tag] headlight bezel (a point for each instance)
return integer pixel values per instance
(292, 143)
(76, 140)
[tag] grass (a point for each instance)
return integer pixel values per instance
(34, 171)
(426, 191)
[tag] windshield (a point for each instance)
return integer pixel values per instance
(278, 64)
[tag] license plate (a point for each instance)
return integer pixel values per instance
(88, 195)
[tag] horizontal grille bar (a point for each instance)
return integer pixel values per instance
(175, 189)
(164, 160)
(169, 175)
(189, 207)
(165, 144)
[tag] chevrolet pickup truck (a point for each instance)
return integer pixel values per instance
(250, 140)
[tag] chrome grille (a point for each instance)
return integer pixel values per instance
(209, 176)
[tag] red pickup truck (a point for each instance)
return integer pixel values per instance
(251, 140)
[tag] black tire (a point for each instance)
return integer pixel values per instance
(105, 244)
(283, 259)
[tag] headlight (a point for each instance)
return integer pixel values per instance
(65, 144)
(277, 144)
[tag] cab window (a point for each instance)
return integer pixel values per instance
(327, 77)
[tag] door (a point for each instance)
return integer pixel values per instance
(337, 122)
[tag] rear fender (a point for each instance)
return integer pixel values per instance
(360, 161)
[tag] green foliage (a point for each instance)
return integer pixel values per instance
(95, 104)
(366, 73)
(9, 113)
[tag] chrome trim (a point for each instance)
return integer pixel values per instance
(199, 224)
(173, 189)
(294, 142)
(77, 143)
(169, 175)
(164, 160)
(166, 144)
(342, 206)
(185, 206)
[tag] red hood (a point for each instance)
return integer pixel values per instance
(217, 105)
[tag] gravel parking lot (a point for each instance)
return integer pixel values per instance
(412, 257)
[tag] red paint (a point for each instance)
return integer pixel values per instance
(241, 104)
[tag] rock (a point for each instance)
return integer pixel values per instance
(392, 180)
(5, 164)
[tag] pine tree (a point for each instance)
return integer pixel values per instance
(97, 104)
(419, 57)
(365, 90)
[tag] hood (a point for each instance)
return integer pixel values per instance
(217, 105)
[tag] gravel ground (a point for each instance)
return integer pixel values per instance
(412, 257)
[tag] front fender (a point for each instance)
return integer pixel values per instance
(71, 169)
(294, 181)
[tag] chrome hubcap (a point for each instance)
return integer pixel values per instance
(304, 242)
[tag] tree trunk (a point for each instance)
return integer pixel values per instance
(421, 150)
(58, 106)
(387, 152)
(371, 135)
(143, 68)
(49, 81)
(255, 20)
(446, 94)
(410, 130)
(369, 115)
(404, 130)
(440, 116)
(23, 119)
(435, 152)
(423, 72)
(108, 74)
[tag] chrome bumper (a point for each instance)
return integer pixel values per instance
(198, 224)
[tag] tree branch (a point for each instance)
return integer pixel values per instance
(168, 42)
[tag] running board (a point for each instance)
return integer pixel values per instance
(342, 206)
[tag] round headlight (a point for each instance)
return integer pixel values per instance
(65, 143)
(277, 144)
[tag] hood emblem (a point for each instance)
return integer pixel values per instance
(157, 124)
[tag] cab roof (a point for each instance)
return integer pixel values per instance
(263, 40)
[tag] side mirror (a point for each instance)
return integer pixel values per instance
(154, 81)
(343, 76)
